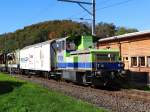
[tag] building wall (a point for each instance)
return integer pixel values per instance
(134, 51)
(138, 47)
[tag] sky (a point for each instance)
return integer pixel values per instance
(16, 14)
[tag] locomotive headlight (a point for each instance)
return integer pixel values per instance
(99, 73)
(102, 65)
(121, 65)
(123, 72)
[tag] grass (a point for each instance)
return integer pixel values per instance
(22, 96)
(146, 88)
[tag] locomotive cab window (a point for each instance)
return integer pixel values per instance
(70, 46)
(106, 57)
(60, 45)
(72, 43)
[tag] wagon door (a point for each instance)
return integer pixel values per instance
(45, 57)
(37, 53)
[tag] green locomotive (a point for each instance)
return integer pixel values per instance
(80, 62)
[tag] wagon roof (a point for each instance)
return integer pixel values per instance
(49, 41)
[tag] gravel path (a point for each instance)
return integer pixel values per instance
(116, 101)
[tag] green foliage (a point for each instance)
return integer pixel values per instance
(146, 88)
(41, 32)
(55, 29)
(28, 97)
(104, 30)
(123, 30)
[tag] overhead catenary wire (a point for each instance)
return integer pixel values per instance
(115, 4)
(103, 2)
(111, 5)
(83, 12)
(92, 13)
(84, 17)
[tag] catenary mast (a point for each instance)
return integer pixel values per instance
(92, 13)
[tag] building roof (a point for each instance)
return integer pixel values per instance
(125, 36)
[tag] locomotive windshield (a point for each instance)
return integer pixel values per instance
(70, 46)
(72, 43)
(60, 45)
(106, 57)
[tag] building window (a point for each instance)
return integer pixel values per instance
(125, 59)
(148, 61)
(133, 61)
(142, 61)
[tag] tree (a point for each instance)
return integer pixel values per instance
(104, 30)
(123, 30)
(41, 32)
(56, 29)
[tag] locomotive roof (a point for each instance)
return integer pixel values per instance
(93, 51)
(129, 35)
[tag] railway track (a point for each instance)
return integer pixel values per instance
(116, 101)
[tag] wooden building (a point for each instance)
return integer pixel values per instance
(134, 50)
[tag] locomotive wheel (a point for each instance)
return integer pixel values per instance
(112, 85)
(46, 75)
(81, 78)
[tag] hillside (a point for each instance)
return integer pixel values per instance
(40, 32)
(55, 29)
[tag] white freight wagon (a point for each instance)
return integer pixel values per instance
(38, 57)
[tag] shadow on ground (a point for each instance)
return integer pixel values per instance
(8, 86)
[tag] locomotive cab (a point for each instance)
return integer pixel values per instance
(108, 60)
(108, 68)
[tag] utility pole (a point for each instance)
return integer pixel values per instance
(94, 17)
(92, 13)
